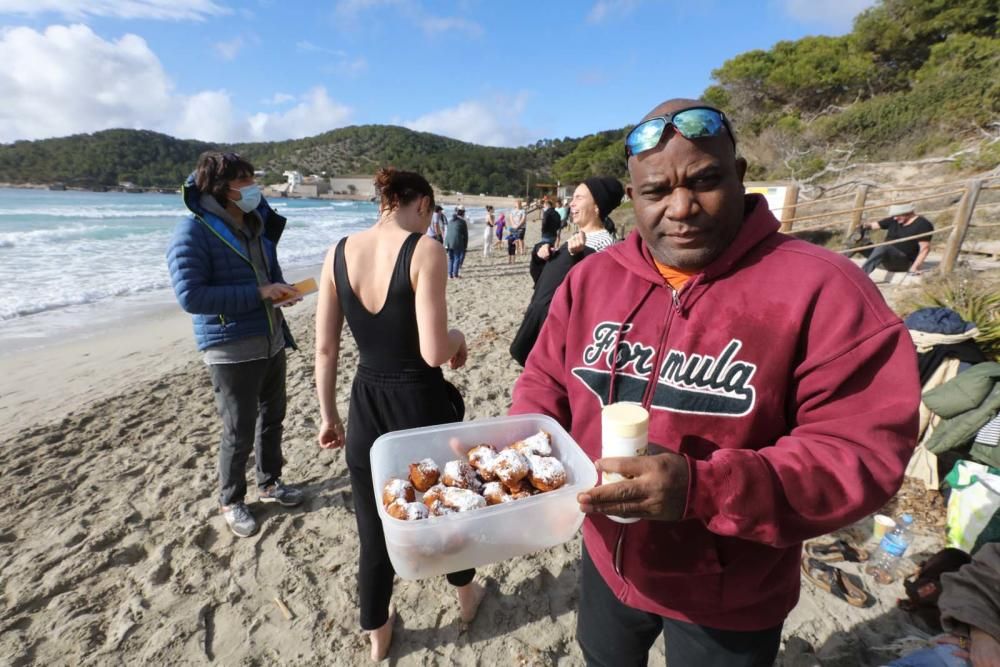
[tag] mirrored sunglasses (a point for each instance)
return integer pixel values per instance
(691, 123)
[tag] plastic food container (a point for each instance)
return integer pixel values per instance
(442, 544)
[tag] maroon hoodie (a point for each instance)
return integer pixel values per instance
(783, 378)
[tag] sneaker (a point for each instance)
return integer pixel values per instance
(240, 520)
(288, 496)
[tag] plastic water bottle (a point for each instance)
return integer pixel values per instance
(882, 566)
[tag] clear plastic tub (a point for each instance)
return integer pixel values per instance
(443, 544)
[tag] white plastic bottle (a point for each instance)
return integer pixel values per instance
(624, 432)
(882, 566)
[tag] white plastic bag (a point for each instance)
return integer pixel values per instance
(973, 506)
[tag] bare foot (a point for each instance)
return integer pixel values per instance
(469, 597)
(381, 639)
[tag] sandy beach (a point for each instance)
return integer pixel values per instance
(112, 550)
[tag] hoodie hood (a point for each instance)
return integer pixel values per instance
(758, 224)
(274, 224)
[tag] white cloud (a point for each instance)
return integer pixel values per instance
(603, 9)
(278, 99)
(837, 15)
(348, 12)
(435, 24)
(315, 113)
(308, 47)
(229, 50)
(168, 10)
(493, 124)
(351, 8)
(351, 68)
(69, 80)
(208, 116)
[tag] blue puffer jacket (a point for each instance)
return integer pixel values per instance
(213, 278)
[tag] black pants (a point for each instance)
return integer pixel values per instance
(611, 633)
(250, 397)
(380, 403)
(889, 257)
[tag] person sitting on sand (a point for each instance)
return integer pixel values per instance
(773, 416)
(909, 256)
(224, 270)
(389, 283)
(970, 613)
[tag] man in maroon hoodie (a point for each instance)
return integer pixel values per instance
(782, 393)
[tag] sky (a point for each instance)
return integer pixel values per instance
(494, 72)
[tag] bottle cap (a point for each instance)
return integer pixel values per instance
(625, 420)
(906, 518)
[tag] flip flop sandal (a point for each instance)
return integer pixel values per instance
(847, 587)
(836, 551)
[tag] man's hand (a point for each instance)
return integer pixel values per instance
(544, 251)
(576, 243)
(275, 292)
(657, 488)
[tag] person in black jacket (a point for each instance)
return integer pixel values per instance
(593, 200)
(456, 240)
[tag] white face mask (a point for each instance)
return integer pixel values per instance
(249, 197)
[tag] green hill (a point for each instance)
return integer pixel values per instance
(150, 159)
(913, 78)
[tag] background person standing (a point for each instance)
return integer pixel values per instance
(518, 224)
(457, 241)
(488, 232)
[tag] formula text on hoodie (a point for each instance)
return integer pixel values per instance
(692, 383)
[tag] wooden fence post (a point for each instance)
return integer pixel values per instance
(963, 216)
(788, 207)
(859, 203)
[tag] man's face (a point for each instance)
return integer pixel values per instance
(688, 196)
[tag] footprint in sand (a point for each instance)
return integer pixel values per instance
(205, 537)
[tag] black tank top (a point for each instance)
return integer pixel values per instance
(387, 340)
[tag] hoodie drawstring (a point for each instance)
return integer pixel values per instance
(618, 337)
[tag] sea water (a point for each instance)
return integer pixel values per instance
(73, 261)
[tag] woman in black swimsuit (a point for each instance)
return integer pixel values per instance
(389, 283)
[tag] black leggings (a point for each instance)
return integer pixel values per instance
(382, 402)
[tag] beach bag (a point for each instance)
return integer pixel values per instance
(973, 506)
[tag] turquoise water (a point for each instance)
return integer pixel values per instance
(73, 259)
(70, 258)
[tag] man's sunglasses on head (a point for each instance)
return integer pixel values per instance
(691, 123)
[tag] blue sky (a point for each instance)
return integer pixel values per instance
(489, 71)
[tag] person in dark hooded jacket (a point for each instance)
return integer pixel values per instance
(224, 270)
(456, 240)
(592, 201)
